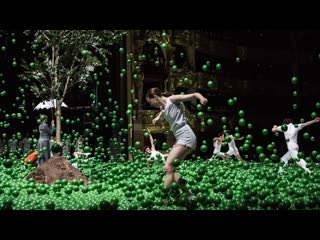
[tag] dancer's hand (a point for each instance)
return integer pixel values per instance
(203, 100)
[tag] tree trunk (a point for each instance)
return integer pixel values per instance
(58, 121)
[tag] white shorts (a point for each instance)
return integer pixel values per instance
(186, 137)
(233, 152)
(219, 154)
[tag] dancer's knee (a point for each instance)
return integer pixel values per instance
(168, 169)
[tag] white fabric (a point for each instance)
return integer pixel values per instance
(217, 149)
(153, 156)
(233, 150)
(175, 116)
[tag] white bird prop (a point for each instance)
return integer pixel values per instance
(48, 104)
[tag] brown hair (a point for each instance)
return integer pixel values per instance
(156, 92)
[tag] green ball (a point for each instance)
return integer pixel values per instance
(294, 80)
(176, 162)
(259, 149)
(237, 59)
(313, 115)
(223, 119)
(249, 137)
(241, 113)
(284, 127)
(269, 147)
(164, 45)
(86, 149)
(295, 106)
(121, 50)
(199, 107)
(209, 122)
(200, 115)
(210, 84)
(218, 66)
(265, 131)
(237, 135)
(203, 148)
(300, 155)
(242, 122)
(250, 125)
(314, 153)
(204, 67)
(246, 146)
(318, 105)
(230, 102)
(137, 144)
(295, 93)
(227, 139)
(164, 146)
(306, 135)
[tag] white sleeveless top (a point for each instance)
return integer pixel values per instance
(175, 115)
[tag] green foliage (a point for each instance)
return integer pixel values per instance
(64, 58)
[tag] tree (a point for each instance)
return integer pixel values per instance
(63, 59)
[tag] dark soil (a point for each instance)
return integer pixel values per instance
(56, 168)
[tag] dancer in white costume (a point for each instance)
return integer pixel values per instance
(173, 110)
(217, 147)
(291, 135)
(155, 156)
(233, 150)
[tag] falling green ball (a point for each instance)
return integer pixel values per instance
(259, 149)
(295, 93)
(250, 125)
(265, 131)
(199, 107)
(295, 106)
(242, 122)
(237, 59)
(223, 119)
(230, 102)
(218, 66)
(209, 122)
(318, 105)
(200, 115)
(294, 80)
(121, 50)
(313, 115)
(164, 45)
(241, 113)
(204, 67)
(210, 84)
(306, 135)
(204, 148)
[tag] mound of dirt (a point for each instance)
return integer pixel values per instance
(56, 168)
